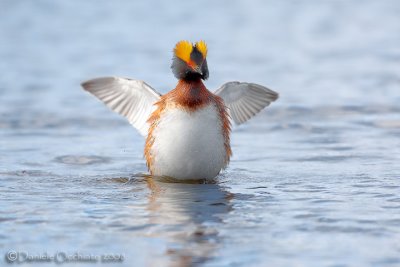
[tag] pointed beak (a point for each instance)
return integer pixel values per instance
(198, 70)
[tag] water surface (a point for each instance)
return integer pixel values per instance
(314, 180)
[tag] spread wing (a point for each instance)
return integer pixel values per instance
(244, 100)
(133, 99)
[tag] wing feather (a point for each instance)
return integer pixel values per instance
(131, 98)
(245, 100)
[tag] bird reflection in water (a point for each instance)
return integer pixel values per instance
(189, 214)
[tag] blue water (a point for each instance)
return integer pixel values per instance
(314, 180)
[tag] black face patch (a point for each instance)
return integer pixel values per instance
(204, 70)
(182, 70)
(196, 56)
(179, 68)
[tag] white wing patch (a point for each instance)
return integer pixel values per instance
(132, 99)
(244, 100)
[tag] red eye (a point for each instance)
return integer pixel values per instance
(192, 64)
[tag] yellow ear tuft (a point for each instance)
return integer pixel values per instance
(183, 49)
(202, 47)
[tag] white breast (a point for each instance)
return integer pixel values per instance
(188, 145)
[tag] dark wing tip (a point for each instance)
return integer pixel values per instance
(93, 83)
(274, 95)
(86, 84)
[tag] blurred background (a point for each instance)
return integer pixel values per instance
(314, 180)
